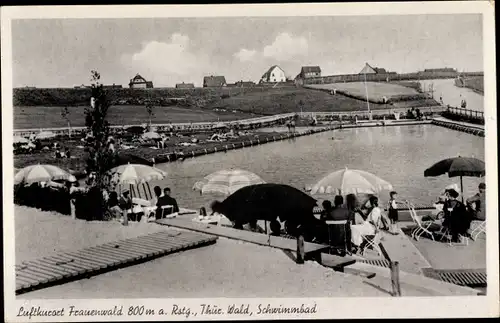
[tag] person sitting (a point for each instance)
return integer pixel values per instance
(125, 201)
(339, 212)
(164, 200)
(456, 217)
(477, 203)
(356, 216)
(376, 216)
(327, 209)
(114, 208)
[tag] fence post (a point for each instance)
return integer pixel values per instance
(300, 249)
(396, 288)
(125, 217)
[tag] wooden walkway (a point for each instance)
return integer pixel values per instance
(63, 267)
(242, 235)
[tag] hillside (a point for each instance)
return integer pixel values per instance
(286, 100)
(474, 83)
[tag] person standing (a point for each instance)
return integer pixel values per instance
(393, 212)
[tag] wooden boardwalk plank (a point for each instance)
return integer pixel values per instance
(71, 265)
(247, 236)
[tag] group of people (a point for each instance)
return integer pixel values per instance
(361, 220)
(118, 206)
(457, 216)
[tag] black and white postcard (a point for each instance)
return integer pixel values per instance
(249, 162)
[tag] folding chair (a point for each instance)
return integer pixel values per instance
(372, 241)
(479, 227)
(422, 226)
(166, 210)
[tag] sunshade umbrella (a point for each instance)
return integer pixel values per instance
(226, 182)
(458, 166)
(136, 174)
(42, 173)
(267, 202)
(151, 135)
(350, 181)
(45, 135)
(20, 140)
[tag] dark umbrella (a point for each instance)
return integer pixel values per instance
(267, 202)
(458, 166)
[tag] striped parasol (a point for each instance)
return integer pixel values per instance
(350, 181)
(42, 173)
(227, 182)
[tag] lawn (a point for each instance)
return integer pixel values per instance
(376, 91)
(286, 100)
(50, 116)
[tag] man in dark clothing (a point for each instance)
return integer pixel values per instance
(340, 234)
(166, 199)
(339, 212)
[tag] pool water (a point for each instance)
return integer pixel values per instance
(397, 154)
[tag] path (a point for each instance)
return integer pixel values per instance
(62, 267)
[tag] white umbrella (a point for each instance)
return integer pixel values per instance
(42, 173)
(350, 181)
(136, 174)
(227, 182)
(151, 135)
(45, 135)
(20, 140)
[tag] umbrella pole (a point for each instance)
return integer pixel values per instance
(149, 189)
(462, 188)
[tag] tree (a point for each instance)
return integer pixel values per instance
(100, 158)
(65, 116)
(149, 108)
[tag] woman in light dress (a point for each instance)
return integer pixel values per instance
(375, 221)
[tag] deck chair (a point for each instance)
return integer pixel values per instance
(166, 210)
(479, 227)
(373, 242)
(422, 226)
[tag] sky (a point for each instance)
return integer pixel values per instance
(62, 52)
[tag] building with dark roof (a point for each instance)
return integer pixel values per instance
(368, 69)
(273, 75)
(139, 82)
(309, 72)
(184, 85)
(214, 81)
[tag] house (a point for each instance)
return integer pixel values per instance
(274, 74)
(184, 85)
(373, 70)
(214, 81)
(308, 72)
(139, 82)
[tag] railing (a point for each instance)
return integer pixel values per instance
(466, 112)
(174, 126)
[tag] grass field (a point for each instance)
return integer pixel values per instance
(475, 83)
(286, 100)
(376, 91)
(46, 117)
